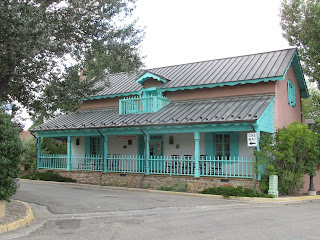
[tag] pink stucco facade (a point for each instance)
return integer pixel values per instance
(316, 182)
(284, 114)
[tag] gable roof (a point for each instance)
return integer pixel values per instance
(268, 66)
(219, 110)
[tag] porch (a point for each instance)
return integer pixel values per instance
(235, 167)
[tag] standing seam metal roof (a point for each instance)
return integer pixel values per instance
(220, 110)
(241, 68)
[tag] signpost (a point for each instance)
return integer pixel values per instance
(252, 139)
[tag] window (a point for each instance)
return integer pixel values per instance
(223, 146)
(291, 94)
(95, 146)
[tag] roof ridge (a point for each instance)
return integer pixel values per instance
(209, 60)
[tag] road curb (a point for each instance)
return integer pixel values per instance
(248, 199)
(21, 222)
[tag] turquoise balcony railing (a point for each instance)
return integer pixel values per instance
(145, 104)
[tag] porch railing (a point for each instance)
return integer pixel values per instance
(241, 167)
(143, 104)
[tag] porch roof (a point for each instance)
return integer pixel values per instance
(219, 110)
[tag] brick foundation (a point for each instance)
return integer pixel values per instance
(153, 181)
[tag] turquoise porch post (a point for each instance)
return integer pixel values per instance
(38, 151)
(147, 154)
(197, 154)
(105, 159)
(69, 153)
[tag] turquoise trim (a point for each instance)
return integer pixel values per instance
(38, 151)
(87, 145)
(222, 84)
(297, 68)
(223, 127)
(112, 95)
(69, 153)
(148, 75)
(105, 151)
(197, 154)
(291, 94)
(234, 144)
(209, 145)
(266, 120)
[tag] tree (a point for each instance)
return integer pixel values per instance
(38, 38)
(10, 151)
(290, 153)
(311, 109)
(300, 21)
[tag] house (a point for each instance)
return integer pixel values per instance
(186, 122)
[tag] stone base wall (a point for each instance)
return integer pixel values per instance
(153, 181)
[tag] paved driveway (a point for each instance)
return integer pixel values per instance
(79, 212)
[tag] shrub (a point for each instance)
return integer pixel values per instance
(47, 176)
(177, 187)
(232, 191)
(10, 152)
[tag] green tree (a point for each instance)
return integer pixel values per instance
(300, 21)
(10, 151)
(311, 109)
(290, 153)
(38, 38)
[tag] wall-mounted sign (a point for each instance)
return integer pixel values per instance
(252, 139)
(125, 137)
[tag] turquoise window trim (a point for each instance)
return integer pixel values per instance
(291, 94)
(140, 145)
(148, 75)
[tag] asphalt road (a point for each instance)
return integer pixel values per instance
(78, 212)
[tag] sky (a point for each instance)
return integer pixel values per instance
(184, 31)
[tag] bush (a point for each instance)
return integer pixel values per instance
(47, 176)
(10, 152)
(232, 191)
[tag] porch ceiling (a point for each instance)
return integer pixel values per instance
(220, 110)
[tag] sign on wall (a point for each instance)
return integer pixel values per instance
(252, 139)
(125, 137)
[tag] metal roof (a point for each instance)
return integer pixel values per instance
(220, 110)
(226, 70)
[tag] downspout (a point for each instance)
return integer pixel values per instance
(145, 156)
(102, 157)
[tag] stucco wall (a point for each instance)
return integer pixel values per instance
(100, 103)
(152, 83)
(185, 142)
(226, 91)
(78, 150)
(120, 146)
(284, 114)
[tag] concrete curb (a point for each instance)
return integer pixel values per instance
(248, 199)
(21, 222)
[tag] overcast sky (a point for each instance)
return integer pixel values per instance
(182, 31)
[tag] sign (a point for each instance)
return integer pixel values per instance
(252, 139)
(125, 137)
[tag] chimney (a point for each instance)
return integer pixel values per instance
(82, 75)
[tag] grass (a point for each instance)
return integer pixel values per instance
(177, 187)
(47, 176)
(234, 191)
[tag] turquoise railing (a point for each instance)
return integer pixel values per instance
(87, 163)
(241, 167)
(125, 163)
(143, 104)
(53, 161)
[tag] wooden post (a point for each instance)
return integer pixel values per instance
(105, 152)
(69, 153)
(197, 154)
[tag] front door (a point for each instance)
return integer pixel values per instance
(156, 146)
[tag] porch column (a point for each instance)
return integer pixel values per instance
(147, 154)
(38, 151)
(69, 153)
(197, 154)
(105, 158)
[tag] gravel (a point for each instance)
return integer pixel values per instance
(14, 211)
